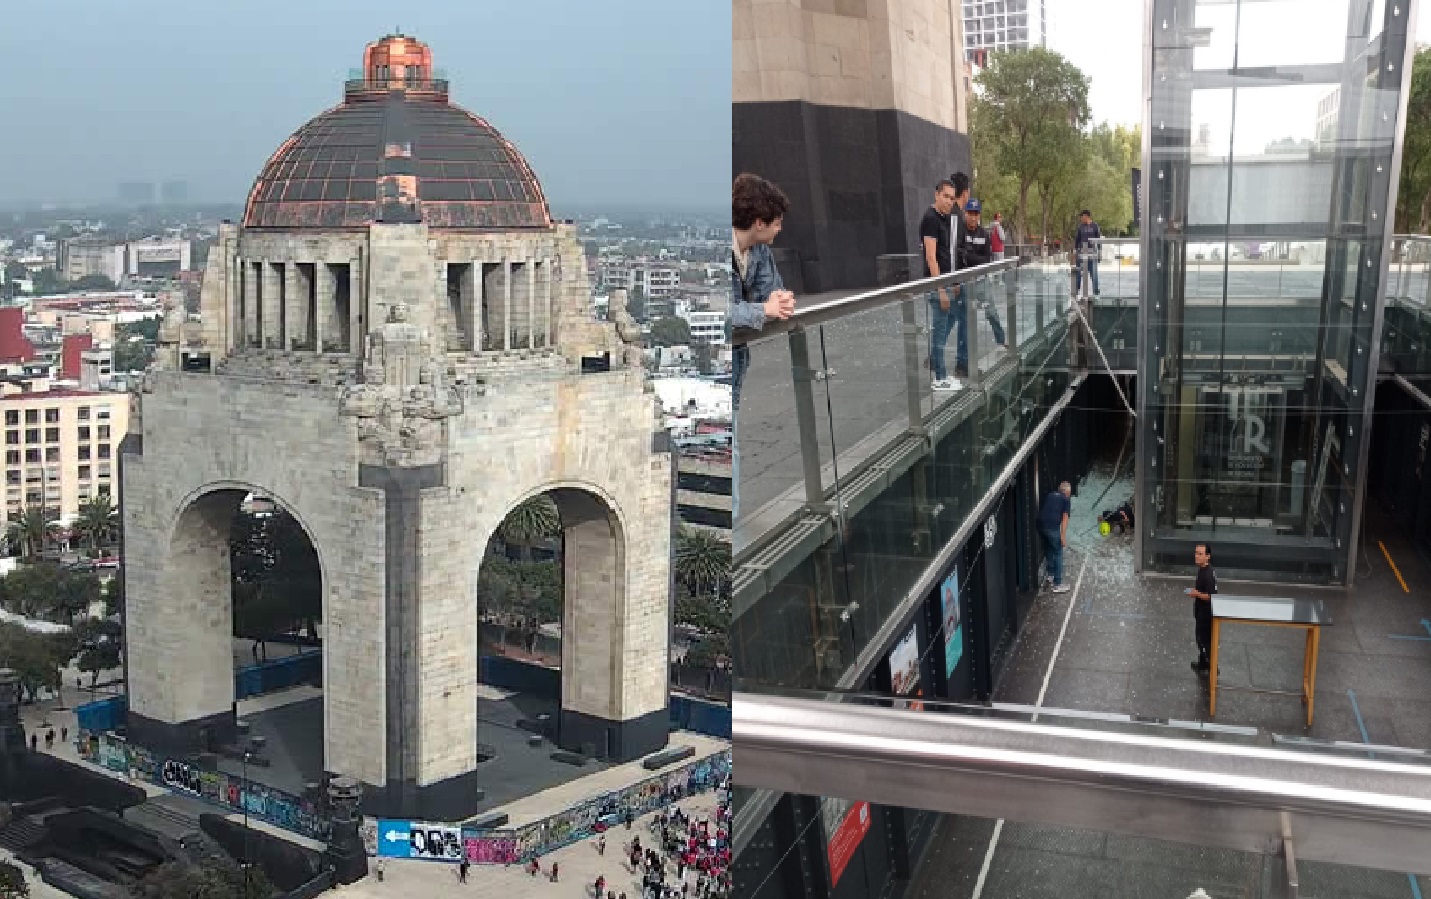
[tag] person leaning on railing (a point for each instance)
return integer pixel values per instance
(756, 292)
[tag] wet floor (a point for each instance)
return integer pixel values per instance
(1127, 650)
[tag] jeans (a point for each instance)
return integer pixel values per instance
(940, 324)
(1053, 552)
(1092, 275)
(980, 290)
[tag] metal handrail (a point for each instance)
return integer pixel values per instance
(1342, 810)
(812, 316)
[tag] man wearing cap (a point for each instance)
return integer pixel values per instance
(975, 249)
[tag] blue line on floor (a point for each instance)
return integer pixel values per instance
(1115, 615)
(1356, 710)
(1426, 624)
(1415, 889)
(1407, 637)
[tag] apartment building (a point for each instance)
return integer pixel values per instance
(61, 446)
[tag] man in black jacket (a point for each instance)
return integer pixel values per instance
(974, 249)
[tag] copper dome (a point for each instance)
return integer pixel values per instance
(396, 150)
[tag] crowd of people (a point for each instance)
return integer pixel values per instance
(686, 857)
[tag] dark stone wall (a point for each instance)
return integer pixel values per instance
(858, 182)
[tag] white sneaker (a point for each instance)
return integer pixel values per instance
(945, 384)
(1060, 588)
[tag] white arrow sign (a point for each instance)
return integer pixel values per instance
(394, 836)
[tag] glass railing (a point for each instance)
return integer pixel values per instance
(995, 801)
(1406, 325)
(859, 475)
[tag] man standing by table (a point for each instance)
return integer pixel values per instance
(1201, 591)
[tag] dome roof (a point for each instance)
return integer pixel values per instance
(397, 151)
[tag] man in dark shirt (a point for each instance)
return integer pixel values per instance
(1201, 591)
(1053, 528)
(936, 245)
(1083, 246)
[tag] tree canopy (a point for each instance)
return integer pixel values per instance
(1413, 199)
(1036, 159)
(37, 658)
(670, 331)
(277, 581)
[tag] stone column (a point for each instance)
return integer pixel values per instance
(531, 267)
(355, 306)
(291, 321)
(506, 304)
(473, 309)
(324, 292)
(550, 286)
(252, 287)
(272, 324)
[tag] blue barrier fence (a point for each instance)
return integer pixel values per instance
(101, 715)
(278, 674)
(709, 718)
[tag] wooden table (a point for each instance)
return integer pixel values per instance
(1308, 614)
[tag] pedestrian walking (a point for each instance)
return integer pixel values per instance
(462, 870)
(555, 873)
(1053, 528)
(936, 237)
(1201, 591)
(601, 845)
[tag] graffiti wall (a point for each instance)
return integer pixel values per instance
(229, 791)
(517, 845)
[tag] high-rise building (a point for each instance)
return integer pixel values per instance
(997, 25)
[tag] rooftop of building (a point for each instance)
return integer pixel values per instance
(397, 151)
(54, 393)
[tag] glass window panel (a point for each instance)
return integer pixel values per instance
(1291, 32)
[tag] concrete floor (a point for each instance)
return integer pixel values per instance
(295, 746)
(1127, 649)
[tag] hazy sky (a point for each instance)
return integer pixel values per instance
(613, 101)
(1107, 45)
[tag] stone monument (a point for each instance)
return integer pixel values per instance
(399, 377)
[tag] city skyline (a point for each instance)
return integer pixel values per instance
(201, 108)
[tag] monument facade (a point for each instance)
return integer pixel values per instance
(396, 346)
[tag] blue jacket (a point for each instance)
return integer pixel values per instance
(747, 298)
(1086, 235)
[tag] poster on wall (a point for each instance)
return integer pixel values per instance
(953, 629)
(904, 667)
(846, 824)
(416, 839)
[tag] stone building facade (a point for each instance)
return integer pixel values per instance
(395, 345)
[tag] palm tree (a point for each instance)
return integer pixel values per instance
(98, 520)
(31, 530)
(702, 561)
(533, 520)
